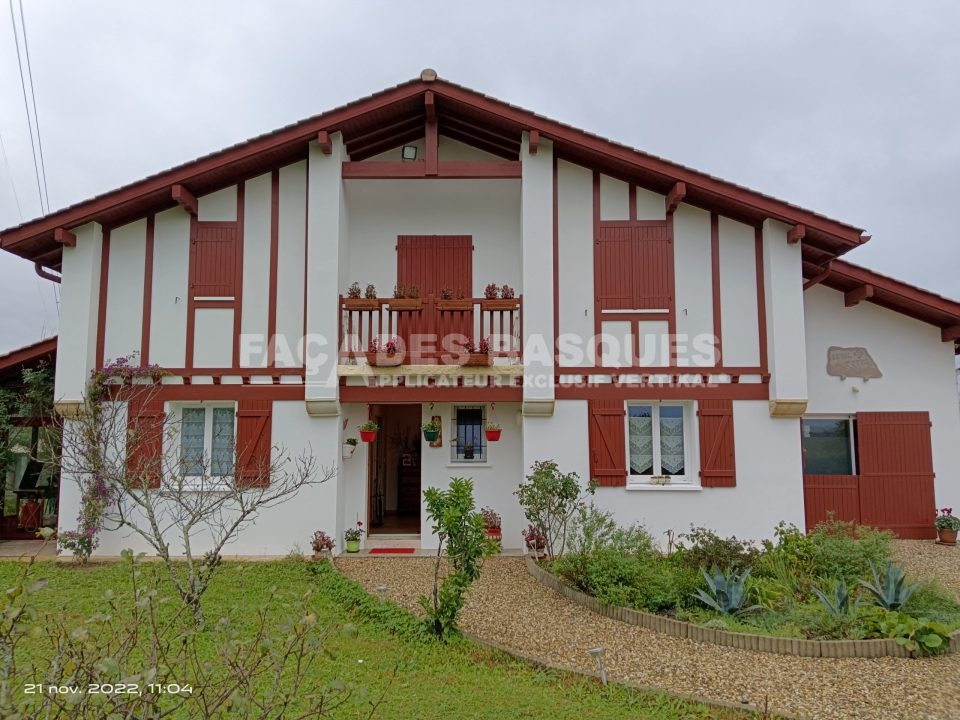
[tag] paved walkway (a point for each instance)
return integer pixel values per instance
(509, 608)
(25, 549)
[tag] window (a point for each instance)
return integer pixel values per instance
(658, 443)
(829, 446)
(207, 440)
(469, 441)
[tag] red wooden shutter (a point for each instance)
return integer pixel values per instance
(896, 472)
(608, 451)
(145, 419)
(435, 262)
(717, 461)
(635, 267)
(213, 265)
(253, 442)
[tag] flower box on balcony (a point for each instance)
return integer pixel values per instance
(477, 360)
(454, 305)
(406, 304)
(361, 304)
(500, 304)
(384, 359)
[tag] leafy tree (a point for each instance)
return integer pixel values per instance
(550, 499)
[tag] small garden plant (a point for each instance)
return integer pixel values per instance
(836, 582)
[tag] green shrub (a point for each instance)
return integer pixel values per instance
(918, 635)
(931, 600)
(889, 589)
(726, 591)
(703, 548)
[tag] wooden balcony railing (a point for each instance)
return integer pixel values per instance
(428, 330)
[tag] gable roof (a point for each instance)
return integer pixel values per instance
(396, 115)
(31, 356)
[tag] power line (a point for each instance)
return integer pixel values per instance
(33, 100)
(26, 106)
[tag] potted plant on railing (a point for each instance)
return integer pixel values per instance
(352, 537)
(406, 298)
(499, 298)
(491, 523)
(431, 431)
(449, 303)
(384, 353)
(479, 353)
(353, 301)
(947, 526)
(368, 431)
(322, 545)
(349, 448)
(535, 541)
(493, 431)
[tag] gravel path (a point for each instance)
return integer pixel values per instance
(508, 607)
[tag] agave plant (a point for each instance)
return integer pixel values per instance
(727, 592)
(889, 589)
(839, 603)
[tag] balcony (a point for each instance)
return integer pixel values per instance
(392, 332)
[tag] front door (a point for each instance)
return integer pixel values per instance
(395, 471)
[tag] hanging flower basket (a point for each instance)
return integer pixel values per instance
(368, 431)
(493, 434)
(431, 435)
(349, 449)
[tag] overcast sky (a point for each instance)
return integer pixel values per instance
(850, 109)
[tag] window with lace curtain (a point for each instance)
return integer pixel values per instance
(658, 443)
(207, 440)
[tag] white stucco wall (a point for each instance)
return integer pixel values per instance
(291, 273)
(738, 295)
(694, 281)
(575, 241)
(124, 320)
(918, 373)
(614, 199)
(218, 206)
(783, 288)
(213, 338)
(256, 266)
(171, 270)
(79, 301)
(769, 483)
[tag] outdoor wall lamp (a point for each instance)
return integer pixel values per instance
(597, 654)
(409, 152)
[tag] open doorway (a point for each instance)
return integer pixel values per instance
(394, 471)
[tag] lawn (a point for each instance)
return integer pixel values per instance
(369, 646)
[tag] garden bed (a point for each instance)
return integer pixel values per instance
(743, 641)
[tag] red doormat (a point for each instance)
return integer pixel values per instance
(392, 551)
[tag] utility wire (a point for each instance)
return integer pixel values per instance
(26, 106)
(33, 100)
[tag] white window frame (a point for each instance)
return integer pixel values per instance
(481, 457)
(851, 437)
(691, 476)
(205, 481)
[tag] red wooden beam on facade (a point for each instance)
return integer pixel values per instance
(534, 141)
(796, 234)
(376, 170)
(184, 198)
(675, 196)
(858, 294)
(64, 237)
(430, 106)
(323, 140)
(820, 276)
(950, 334)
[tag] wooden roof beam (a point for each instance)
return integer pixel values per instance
(430, 106)
(534, 141)
(64, 237)
(950, 334)
(796, 234)
(820, 276)
(323, 140)
(184, 198)
(675, 197)
(857, 295)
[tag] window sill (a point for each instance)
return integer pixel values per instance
(484, 464)
(645, 487)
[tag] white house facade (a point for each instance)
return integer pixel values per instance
(695, 348)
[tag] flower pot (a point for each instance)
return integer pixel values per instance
(494, 533)
(431, 435)
(368, 436)
(361, 304)
(947, 537)
(463, 305)
(493, 435)
(352, 546)
(499, 304)
(384, 359)
(476, 359)
(347, 451)
(539, 552)
(406, 304)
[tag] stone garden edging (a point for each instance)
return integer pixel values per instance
(742, 641)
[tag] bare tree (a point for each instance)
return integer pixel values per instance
(135, 473)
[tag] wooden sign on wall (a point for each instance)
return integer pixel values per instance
(844, 362)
